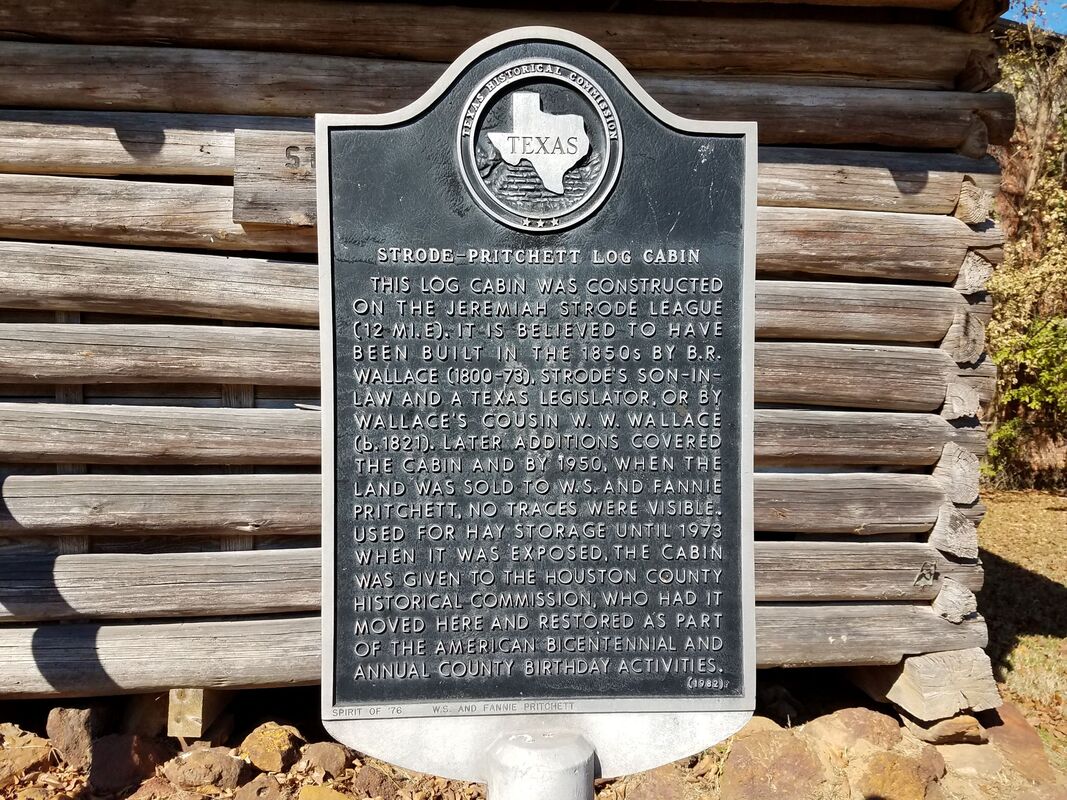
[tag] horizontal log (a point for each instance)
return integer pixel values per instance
(55, 433)
(68, 76)
(851, 376)
(158, 354)
(919, 55)
(122, 143)
(274, 179)
(790, 240)
(56, 276)
(835, 503)
(134, 212)
(52, 276)
(147, 586)
(92, 659)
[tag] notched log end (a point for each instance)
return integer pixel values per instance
(965, 340)
(974, 204)
(957, 472)
(975, 16)
(954, 533)
(981, 71)
(961, 400)
(974, 274)
(955, 602)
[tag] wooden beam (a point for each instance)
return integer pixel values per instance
(93, 659)
(859, 503)
(44, 433)
(957, 472)
(122, 143)
(935, 685)
(923, 56)
(954, 533)
(69, 76)
(190, 712)
(965, 338)
(124, 281)
(237, 583)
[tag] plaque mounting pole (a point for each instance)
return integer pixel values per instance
(540, 766)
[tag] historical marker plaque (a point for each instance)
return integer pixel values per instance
(537, 342)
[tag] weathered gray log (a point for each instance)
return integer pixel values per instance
(274, 179)
(965, 339)
(860, 312)
(161, 504)
(858, 503)
(852, 376)
(957, 472)
(861, 504)
(62, 76)
(973, 16)
(51, 433)
(91, 659)
(868, 244)
(954, 533)
(955, 601)
(786, 437)
(49, 276)
(842, 375)
(935, 686)
(118, 143)
(44, 433)
(181, 215)
(147, 586)
(980, 377)
(158, 354)
(917, 55)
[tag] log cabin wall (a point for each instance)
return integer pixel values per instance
(159, 431)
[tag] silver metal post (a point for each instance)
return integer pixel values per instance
(540, 766)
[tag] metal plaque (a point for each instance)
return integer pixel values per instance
(537, 327)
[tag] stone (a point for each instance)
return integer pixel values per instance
(931, 762)
(976, 760)
(373, 783)
(272, 747)
(145, 715)
(888, 776)
(668, 782)
(22, 753)
(35, 793)
(1020, 744)
(329, 757)
(757, 725)
(161, 789)
(321, 793)
(771, 765)
(263, 787)
(205, 768)
(849, 728)
(1046, 792)
(72, 730)
(123, 759)
(961, 729)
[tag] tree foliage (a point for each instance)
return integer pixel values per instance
(1028, 334)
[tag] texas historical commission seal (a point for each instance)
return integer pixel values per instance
(539, 145)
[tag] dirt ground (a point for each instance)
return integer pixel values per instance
(1024, 550)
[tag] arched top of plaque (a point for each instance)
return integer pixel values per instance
(537, 154)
